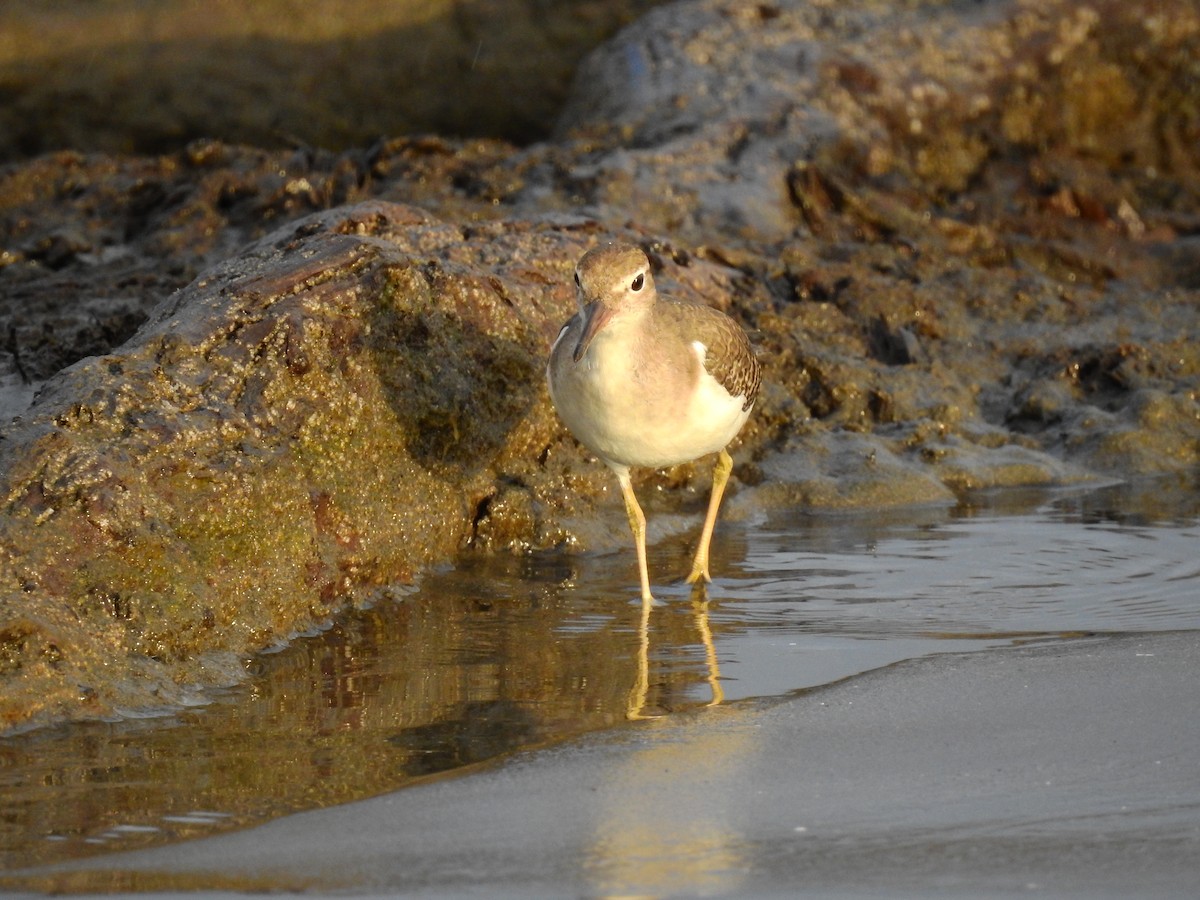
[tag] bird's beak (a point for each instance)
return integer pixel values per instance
(595, 317)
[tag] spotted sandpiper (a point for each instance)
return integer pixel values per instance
(644, 380)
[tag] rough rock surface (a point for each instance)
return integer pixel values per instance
(311, 422)
(964, 237)
(978, 223)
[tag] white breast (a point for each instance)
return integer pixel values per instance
(652, 422)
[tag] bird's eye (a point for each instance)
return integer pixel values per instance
(577, 283)
(638, 282)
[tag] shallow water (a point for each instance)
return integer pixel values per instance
(501, 654)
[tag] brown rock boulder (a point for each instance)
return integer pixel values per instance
(310, 423)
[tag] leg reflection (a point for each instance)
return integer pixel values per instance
(641, 687)
(635, 708)
(700, 607)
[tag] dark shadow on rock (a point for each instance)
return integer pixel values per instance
(457, 384)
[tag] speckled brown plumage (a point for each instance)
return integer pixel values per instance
(729, 357)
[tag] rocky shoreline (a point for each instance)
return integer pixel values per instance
(274, 384)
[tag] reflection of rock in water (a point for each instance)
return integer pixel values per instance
(478, 731)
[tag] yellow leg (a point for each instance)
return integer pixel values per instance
(637, 524)
(721, 472)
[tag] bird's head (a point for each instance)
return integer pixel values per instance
(611, 281)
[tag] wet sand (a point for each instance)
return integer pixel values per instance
(1057, 770)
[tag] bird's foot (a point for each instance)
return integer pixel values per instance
(649, 601)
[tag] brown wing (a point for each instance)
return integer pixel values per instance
(729, 357)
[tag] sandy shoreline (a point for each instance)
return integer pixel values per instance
(1064, 770)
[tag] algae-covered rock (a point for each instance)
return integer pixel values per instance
(303, 426)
